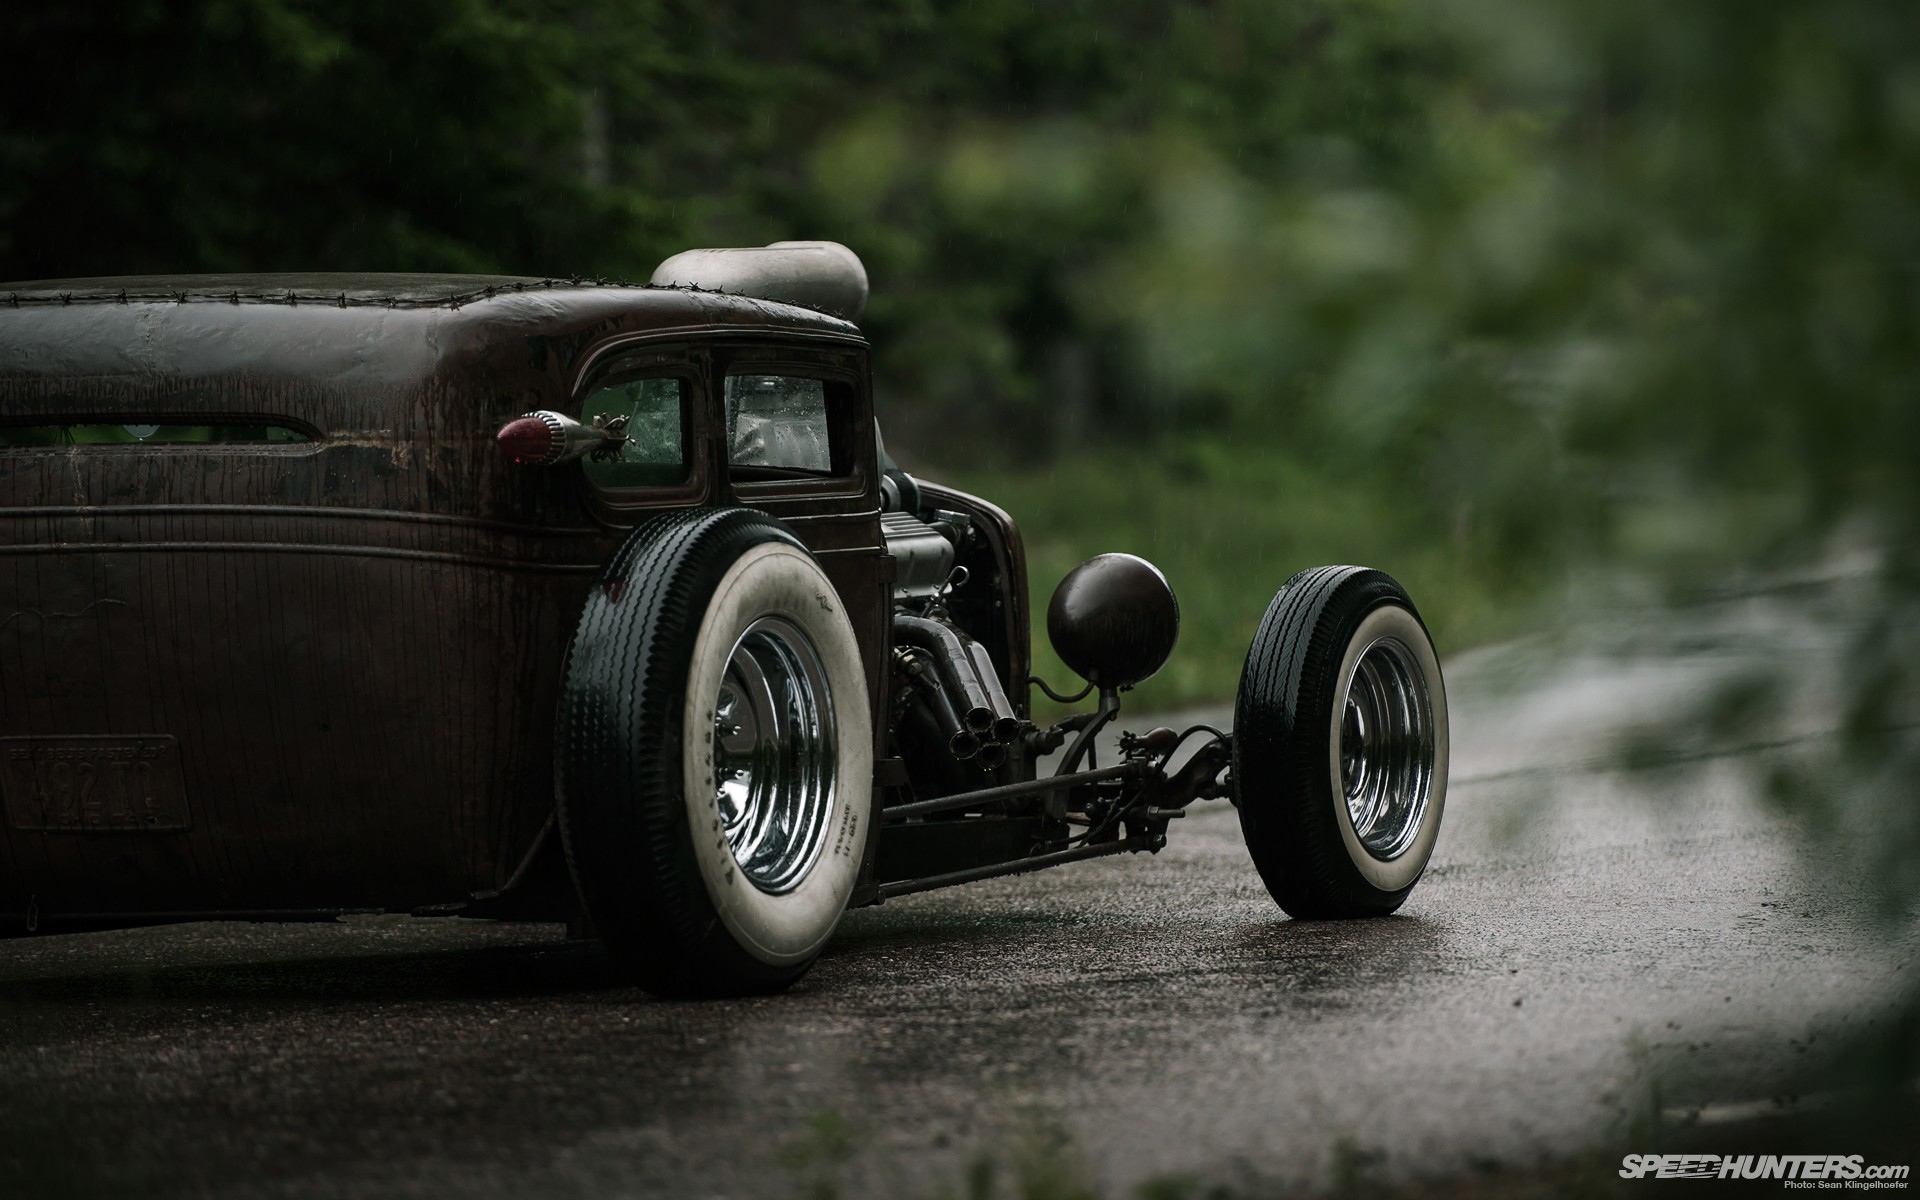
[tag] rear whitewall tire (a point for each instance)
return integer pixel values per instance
(788, 927)
(713, 642)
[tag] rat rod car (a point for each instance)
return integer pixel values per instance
(574, 600)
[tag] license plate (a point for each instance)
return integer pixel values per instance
(91, 784)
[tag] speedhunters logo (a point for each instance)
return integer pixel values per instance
(1793, 1170)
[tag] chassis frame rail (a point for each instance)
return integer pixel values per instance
(1013, 791)
(1137, 842)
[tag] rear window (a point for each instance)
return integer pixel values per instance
(652, 414)
(147, 433)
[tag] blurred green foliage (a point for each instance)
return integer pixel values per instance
(1473, 290)
(1105, 238)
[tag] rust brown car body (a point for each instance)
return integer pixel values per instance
(515, 598)
(340, 657)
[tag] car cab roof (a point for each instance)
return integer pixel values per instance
(312, 287)
(355, 328)
(344, 289)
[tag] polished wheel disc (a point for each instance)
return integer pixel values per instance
(1387, 735)
(774, 754)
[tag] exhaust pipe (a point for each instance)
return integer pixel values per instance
(1006, 726)
(961, 742)
(956, 668)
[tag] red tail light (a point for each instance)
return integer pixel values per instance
(533, 440)
(547, 439)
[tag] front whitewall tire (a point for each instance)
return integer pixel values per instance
(1395, 627)
(1340, 751)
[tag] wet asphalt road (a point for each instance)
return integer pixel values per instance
(1584, 936)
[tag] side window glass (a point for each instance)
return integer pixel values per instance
(778, 422)
(652, 413)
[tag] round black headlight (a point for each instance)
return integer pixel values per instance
(1114, 620)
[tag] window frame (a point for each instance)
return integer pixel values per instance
(676, 359)
(849, 424)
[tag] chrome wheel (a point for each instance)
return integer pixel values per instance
(1387, 741)
(774, 752)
